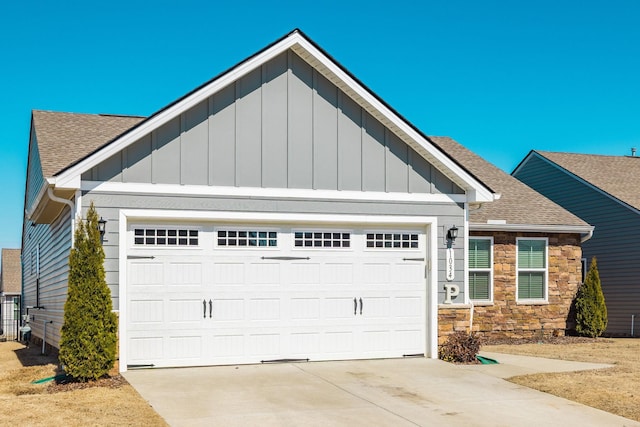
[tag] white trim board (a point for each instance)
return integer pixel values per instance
(127, 216)
(279, 193)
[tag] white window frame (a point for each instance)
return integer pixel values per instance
(401, 231)
(545, 270)
(482, 270)
(349, 248)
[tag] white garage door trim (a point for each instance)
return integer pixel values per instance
(429, 223)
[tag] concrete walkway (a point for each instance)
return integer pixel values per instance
(391, 392)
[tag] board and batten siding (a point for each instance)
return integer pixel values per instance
(52, 242)
(108, 206)
(282, 125)
(614, 242)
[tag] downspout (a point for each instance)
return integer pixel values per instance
(71, 207)
(44, 336)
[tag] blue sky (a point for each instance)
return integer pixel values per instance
(501, 77)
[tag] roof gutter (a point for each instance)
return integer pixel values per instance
(585, 230)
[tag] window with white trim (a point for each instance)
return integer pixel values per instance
(246, 238)
(321, 239)
(481, 269)
(532, 269)
(393, 240)
(157, 236)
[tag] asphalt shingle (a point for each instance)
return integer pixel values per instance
(65, 138)
(518, 204)
(615, 175)
(11, 273)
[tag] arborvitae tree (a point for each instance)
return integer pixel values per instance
(591, 311)
(89, 333)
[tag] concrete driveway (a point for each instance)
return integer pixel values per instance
(391, 392)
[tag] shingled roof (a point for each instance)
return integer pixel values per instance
(519, 204)
(64, 138)
(615, 175)
(11, 272)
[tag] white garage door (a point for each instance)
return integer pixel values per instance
(228, 294)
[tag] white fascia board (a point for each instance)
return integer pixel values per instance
(476, 192)
(532, 228)
(255, 192)
(271, 217)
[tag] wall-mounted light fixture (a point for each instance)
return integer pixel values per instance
(452, 233)
(102, 226)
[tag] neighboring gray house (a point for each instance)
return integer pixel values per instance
(603, 191)
(10, 290)
(281, 210)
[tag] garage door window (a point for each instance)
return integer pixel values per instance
(322, 239)
(392, 240)
(165, 237)
(247, 238)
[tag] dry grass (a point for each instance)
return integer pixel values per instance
(27, 404)
(615, 390)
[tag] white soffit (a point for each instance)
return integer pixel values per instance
(476, 191)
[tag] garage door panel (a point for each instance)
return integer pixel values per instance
(265, 309)
(408, 307)
(337, 274)
(145, 349)
(229, 273)
(265, 345)
(187, 348)
(339, 308)
(145, 274)
(185, 311)
(304, 273)
(264, 273)
(304, 343)
(277, 302)
(146, 310)
(231, 346)
(338, 343)
(228, 309)
(305, 308)
(407, 273)
(376, 273)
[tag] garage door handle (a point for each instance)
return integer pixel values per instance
(204, 308)
(355, 306)
(360, 306)
(210, 308)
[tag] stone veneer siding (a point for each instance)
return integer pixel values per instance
(505, 318)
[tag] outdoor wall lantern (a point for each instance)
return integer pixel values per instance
(452, 234)
(102, 226)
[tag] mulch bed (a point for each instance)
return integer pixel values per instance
(562, 340)
(115, 381)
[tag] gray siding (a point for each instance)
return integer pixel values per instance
(109, 205)
(614, 242)
(35, 178)
(283, 125)
(54, 242)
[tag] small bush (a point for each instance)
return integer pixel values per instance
(89, 333)
(460, 347)
(591, 310)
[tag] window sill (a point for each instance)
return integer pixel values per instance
(482, 303)
(532, 302)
